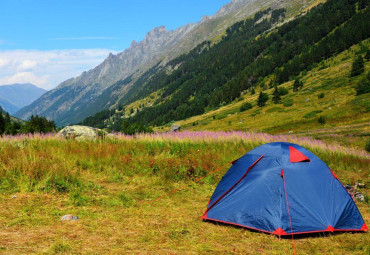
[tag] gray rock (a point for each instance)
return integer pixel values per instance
(175, 128)
(69, 217)
(15, 196)
(81, 132)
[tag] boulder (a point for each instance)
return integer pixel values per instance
(81, 132)
(175, 128)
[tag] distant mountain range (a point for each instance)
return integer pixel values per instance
(15, 96)
(106, 85)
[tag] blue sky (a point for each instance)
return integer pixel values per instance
(71, 24)
(70, 36)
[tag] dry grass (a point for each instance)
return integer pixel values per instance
(109, 184)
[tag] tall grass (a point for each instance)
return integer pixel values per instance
(47, 162)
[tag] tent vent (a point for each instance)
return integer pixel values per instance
(297, 156)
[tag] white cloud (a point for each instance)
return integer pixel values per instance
(25, 77)
(47, 69)
(3, 62)
(26, 65)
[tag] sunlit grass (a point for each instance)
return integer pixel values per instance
(112, 185)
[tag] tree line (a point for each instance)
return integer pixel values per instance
(35, 124)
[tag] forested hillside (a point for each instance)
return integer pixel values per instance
(254, 53)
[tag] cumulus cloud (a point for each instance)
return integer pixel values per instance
(25, 77)
(27, 64)
(47, 69)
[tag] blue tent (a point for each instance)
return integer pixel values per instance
(283, 189)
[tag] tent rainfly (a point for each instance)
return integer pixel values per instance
(283, 189)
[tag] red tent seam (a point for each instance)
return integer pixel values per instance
(295, 233)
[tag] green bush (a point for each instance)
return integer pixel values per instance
(321, 95)
(357, 66)
(367, 146)
(246, 106)
(311, 114)
(363, 86)
(321, 120)
(283, 91)
(288, 102)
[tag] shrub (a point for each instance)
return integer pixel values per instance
(297, 85)
(246, 106)
(357, 66)
(288, 102)
(367, 56)
(363, 86)
(367, 146)
(321, 120)
(134, 128)
(283, 91)
(311, 114)
(321, 95)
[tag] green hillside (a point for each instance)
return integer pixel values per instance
(347, 116)
(255, 53)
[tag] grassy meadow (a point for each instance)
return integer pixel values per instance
(118, 186)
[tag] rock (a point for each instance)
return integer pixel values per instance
(69, 217)
(360, 197)
(175, 128)
(15, 196)
(82, 132)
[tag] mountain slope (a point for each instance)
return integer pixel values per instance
(251, 55)
(328, 91)
(15, 96)
(77, 98)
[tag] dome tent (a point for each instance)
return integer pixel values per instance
(283, 189)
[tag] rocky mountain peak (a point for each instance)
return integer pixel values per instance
(232, 6)
(77, 96)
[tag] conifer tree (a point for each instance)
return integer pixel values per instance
(357, 66)
(367, 56)
(297, 85)
(253, 91)
(363, 86)
(262, 99)
(2, 124)
(276, 96)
